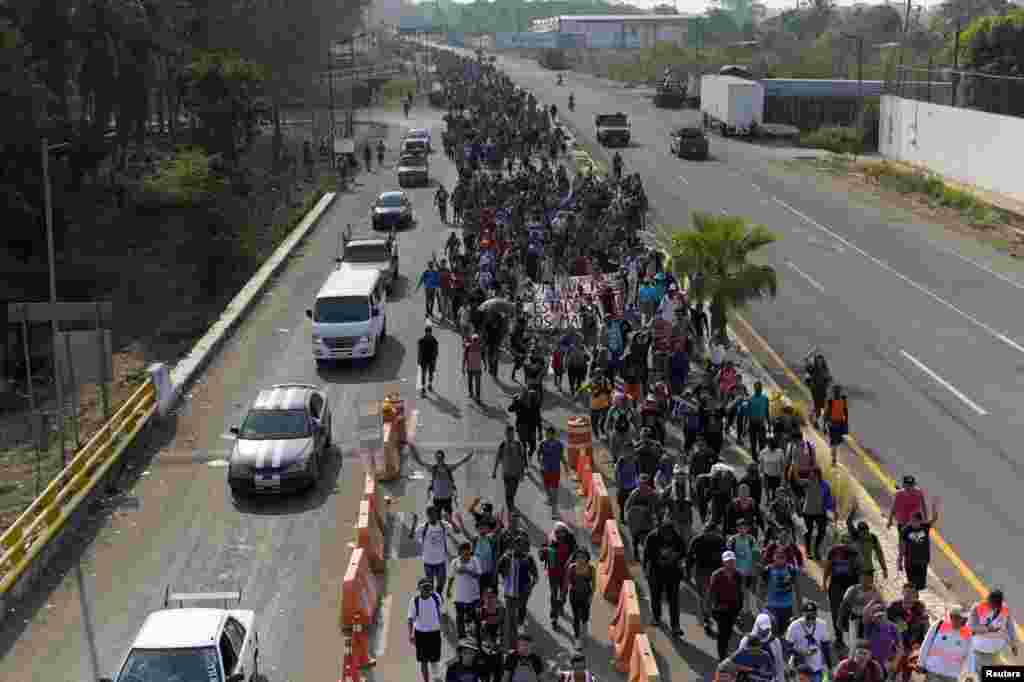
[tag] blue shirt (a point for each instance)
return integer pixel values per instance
(757, 407)
(431, 279)
(759, 660)
(780, 586)
(649, 294)
(626, 473)
(551, 456)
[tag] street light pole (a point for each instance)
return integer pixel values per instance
(52, 261)
(860, 76)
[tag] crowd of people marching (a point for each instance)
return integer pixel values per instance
(641, 353)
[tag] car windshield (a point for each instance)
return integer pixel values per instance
(275, 425)
(341, 310)
(617, 120)
(419, 134)
(413, 161)
(390, 201)
(366, 253)
(180, 665)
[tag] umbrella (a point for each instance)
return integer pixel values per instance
(497, 304)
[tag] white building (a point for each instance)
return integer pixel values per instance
(621, 31)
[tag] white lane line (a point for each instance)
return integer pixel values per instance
(683, 180)
(950, 387)
(810, 280)
(981, 266)
(885, 266)
(381, 645)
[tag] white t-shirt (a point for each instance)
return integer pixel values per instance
(436, 541)
(429, 617)
(467, 579)
(808, 639)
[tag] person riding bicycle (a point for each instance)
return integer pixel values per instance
(572, 102)
(380, 153)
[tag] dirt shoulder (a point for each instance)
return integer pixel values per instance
(169, 275)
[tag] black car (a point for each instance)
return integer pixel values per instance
(689, 142)
(391, 210)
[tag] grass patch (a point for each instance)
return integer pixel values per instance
(397, 89)
(836, 139)
(935, 191)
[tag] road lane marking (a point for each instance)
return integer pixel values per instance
(810, 280)
(885, 266)
(981, 266)
(950, 387)
(381, 645)
(683, 180)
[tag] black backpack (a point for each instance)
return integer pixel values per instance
(437, 603)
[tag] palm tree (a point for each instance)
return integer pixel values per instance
(718, 246)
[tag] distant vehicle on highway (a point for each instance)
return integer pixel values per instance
(689, 142)
(391, 210)
(281, 444)
(413, 170)
(372, 253)
(212, 645)
(415, 146)
(612, 129)
(420, 134)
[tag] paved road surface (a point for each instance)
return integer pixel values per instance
(179, 527)
(922, 326)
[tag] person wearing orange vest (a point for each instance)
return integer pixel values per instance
(946, 647)
(992, 630)
(837, 419)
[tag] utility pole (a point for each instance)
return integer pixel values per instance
(51, 257)
(956, 64)
(330, 76)
(860, 76)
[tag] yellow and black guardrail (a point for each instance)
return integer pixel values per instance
(44, 519)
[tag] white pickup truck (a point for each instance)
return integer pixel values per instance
(612, 129)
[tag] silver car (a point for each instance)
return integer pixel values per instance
(413, 170)
(281, 443)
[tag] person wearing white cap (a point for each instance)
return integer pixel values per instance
(761, 637)
(724, 601)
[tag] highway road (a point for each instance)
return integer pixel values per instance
(920, 325)
(177, 525)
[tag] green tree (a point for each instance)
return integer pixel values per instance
(719, 247)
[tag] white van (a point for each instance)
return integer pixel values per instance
(349, 315)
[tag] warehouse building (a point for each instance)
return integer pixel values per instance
(633, 31)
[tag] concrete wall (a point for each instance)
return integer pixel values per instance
(968, 146)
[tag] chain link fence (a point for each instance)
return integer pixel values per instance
(965, 89)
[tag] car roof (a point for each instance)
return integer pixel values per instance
(349, 281)
(180, 629)
(418, 132)
(282, 398)
(390, 193)
(367, 242)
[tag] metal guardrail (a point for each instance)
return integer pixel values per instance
(45, 517)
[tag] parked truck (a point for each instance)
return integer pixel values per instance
(735, 105)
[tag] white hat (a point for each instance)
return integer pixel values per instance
(728, 556)
(762, 623)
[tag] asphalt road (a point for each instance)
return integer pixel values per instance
(178, 526)
(919, 324)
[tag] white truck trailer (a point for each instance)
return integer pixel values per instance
(735, 105)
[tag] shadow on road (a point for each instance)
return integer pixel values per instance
(386, 366)
(297, 503)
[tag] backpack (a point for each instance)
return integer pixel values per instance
(484, 549)
(437, 604)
